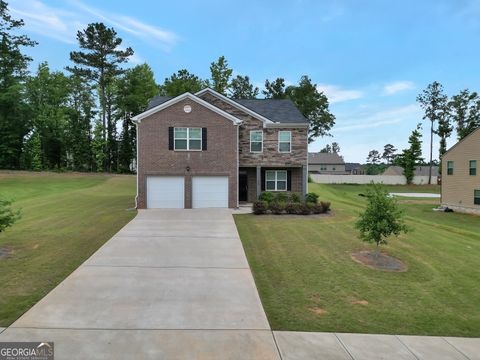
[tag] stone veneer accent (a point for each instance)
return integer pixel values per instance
(270, 155)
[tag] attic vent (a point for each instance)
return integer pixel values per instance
(187, 109)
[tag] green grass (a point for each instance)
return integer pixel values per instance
(304, 264)
(66, 218)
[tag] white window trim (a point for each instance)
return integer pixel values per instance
(252, 131)
(285, 142)
(276, 180)
(187, 139)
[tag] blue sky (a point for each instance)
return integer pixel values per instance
(371, 58)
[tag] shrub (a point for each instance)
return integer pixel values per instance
(266, 196)
(7, 215)
(311, 198)
(325, 205)
(295, 198)
(292, 208)
(317, 209)
(276, 207)
(281, 197)
(260, 207)
(305, 209)
(310, 179)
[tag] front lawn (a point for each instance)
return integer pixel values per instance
(308, 281)
(66, 218)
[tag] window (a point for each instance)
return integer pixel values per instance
(188, 138)
(284, 141)
(476, 197)
(334, 168)
(256, 141)
(276, 180)
(473, 167)
(323, 168)
(449, 167)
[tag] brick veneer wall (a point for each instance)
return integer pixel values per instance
(154, 157)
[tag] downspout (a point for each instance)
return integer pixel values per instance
(238, 169)
(136, 141)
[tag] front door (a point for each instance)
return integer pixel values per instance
(242, 187)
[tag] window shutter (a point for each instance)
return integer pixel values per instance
(204, 138)
(263, 179)
(289, 180)
(170, 138)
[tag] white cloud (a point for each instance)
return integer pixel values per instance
(337, 94)
(62, 25)
(379, 119)
(398, 86)
(42, 19)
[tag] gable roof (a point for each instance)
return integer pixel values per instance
(277, 110)
(352, 166)
(158, 100)
(419, 170)
(281, 111)
(138, 118)
(267, 110)
(324, 158)
(459, 142)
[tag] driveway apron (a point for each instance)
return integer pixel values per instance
(172, 284)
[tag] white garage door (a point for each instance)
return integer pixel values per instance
(210, 191)
(165, 192)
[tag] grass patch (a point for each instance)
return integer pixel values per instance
(65, 219)
(302, 265)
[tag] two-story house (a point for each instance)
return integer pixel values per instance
(460, 176)
(326, 163)
(206, 150)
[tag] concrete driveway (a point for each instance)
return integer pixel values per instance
(172, 284)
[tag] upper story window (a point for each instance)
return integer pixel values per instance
(284, 141)
(473, 167)
(276, 180)
(256, 141)
(476, 197)
(449, 167)
(188, 139)
(323, 167)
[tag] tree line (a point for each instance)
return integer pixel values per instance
(80, 118)
(443, 114)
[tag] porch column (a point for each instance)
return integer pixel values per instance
(259, 181)
(304, 180)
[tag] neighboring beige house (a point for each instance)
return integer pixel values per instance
(460, 176)
(205, 150)
(326, 163)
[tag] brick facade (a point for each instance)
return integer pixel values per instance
(155, 158)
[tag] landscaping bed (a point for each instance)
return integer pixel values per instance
(289, 204)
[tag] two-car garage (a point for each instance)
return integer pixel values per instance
(168, 192)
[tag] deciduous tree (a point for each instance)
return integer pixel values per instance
(382, 217)
(182, 82)
(464, 111)
(220, 75)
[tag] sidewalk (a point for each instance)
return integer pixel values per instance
(333, 346)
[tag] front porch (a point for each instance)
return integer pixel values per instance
(252, 181)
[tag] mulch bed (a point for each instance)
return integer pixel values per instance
(5, 252)
(295, 216)
(379, 261)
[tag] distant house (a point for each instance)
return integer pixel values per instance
(419, 171)
(354, 169)
(460, 177)
(326, 163)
